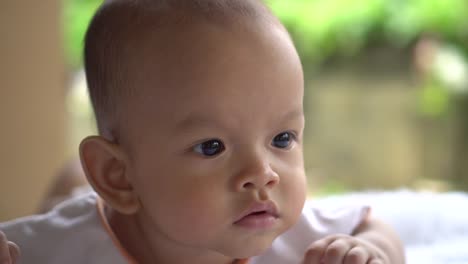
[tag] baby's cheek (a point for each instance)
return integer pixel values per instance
(294, 194)
(194, 221)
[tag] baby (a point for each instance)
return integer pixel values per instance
(199, 157)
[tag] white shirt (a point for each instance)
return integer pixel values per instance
(76, 232)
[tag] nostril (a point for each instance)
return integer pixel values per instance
(248, 185)
(272, 183)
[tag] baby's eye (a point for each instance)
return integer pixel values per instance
(283, 140)
(209, 148)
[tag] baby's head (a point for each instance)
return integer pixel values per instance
(199, 109)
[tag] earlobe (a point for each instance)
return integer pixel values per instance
(105, 166)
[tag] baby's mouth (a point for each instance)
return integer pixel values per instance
(260, 215)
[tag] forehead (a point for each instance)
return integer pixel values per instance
(216, 69)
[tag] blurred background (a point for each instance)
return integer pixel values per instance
(386, 94)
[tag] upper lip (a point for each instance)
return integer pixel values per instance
(268, 207)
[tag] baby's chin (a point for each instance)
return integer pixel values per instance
(249, 248)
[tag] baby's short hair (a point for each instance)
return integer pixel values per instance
(108, 43)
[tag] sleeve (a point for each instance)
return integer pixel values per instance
(328, 220)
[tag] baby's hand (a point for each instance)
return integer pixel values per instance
(343, 249)
(9, 251)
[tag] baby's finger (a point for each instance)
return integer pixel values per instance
(336, 251)
(14, 251)
(375, 261)
(356, 255)
(4, 249)
(315, 252)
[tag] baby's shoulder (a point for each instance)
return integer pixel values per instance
(64, 216)
(70, 231)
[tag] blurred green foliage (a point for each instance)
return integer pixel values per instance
(76, 15)
(323, 28)
(434, 100)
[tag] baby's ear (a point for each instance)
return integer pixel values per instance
(105, 166)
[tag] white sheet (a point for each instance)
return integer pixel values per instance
(433, 227)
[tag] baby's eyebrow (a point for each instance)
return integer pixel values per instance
(291, 115)
(192, 121)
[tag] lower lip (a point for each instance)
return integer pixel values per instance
(257, 221)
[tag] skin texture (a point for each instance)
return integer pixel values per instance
(239, 85)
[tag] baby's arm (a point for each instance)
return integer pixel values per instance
(373, 242)
(9, 251)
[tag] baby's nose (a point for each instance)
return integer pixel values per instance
(257, 175)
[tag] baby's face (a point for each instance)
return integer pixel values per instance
(215, 138)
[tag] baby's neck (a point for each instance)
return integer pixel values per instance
(145, 247)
